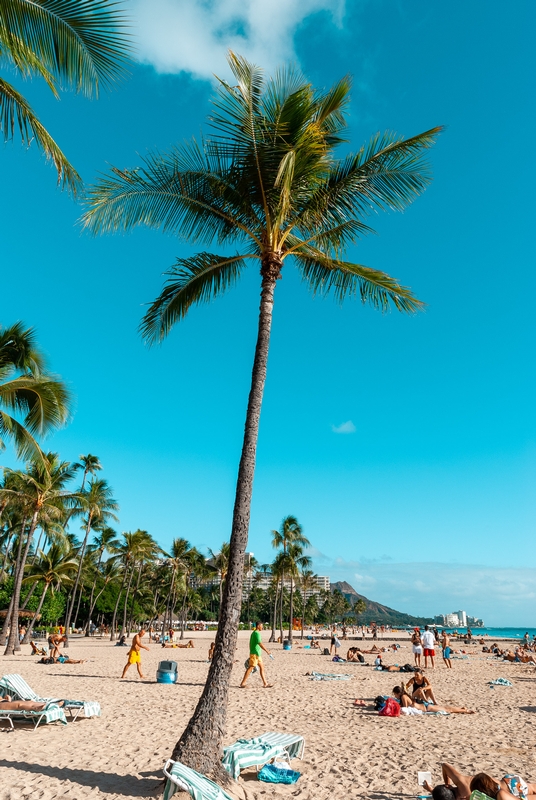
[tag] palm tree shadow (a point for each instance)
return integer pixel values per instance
(529, 709)
(106, 782)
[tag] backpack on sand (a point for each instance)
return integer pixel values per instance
(390, 709)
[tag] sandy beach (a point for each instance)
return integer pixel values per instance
(350, 751)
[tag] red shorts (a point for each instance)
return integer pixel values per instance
(428, 652)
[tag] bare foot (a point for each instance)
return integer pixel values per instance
(268, 685)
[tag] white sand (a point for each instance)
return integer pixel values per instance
(350, 752)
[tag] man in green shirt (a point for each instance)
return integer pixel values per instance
(255, 660)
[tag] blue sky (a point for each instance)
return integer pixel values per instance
(406, 446)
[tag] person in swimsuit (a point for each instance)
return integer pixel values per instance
(417, 646)
(422, 688)
(255, 660)
(134, 655)
(54, 642)
(424, 706)
(8, 704)
(510, 786)
(445, 644)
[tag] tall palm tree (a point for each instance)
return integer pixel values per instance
(42, 494)
(54, 568)
(99, 505)
(290, 533)
(307, 584)
(105, 540)
(267, 186)
(295, 560)
(221, 563)
(90, 465)
(75, 43)
(32, 401)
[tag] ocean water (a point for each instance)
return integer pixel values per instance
(503, 633)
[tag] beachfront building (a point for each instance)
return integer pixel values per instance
(458, 619)
(263, 580)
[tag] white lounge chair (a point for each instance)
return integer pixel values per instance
(181, 777)
(52, 713)
(16, 686)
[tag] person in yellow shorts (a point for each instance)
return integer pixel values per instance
(255, 660)
(134, 654)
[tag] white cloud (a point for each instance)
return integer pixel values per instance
(194, 35)
(346, 427)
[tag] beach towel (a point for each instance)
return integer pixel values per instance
(249, 753)
(328, 676)
(500, 682)
(278, 773)
(478, 796)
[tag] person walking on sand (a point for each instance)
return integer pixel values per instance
(445, 644)
(255, 660)
(428, 643)
(416, 644)
(133, 655)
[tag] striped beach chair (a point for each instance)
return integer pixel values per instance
(16, 686)
(259, 751)
(182, 778)
(51, 713)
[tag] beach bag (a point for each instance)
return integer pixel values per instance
(326, 651)
(273, 773)
(390, 709)
(379, 702)
(361, 658)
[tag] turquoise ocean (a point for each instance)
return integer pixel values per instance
(503, 633)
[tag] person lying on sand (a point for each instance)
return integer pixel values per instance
(458, 786)
(406, 701)
(37, 651)
(421, 687)
(188, 644)
(507, 787)
(8, 704)
(61, 660)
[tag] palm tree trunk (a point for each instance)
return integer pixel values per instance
(80, 593)
(114, 617)
(123, 627)
(13, 642)
(291, 610)
(200, 745)
(28, 596)
(130, 619)
(77, 581)
(6, 556)
(30, 627)
(274, 617)
(281, 606)
(91, 604)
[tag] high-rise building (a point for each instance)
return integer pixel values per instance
(462, 616)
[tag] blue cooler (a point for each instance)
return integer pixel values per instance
(167, 672)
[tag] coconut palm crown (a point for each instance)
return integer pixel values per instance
(268, 189)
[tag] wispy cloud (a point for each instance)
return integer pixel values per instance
(346, 427)
(502, 596)
(194, 35)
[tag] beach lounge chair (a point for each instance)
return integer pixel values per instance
(182, 778)
(259, 751)
(16, 686)
(52, 713)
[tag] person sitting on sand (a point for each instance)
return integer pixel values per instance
(406, 701)
(421, 687)
(37, 651)
(54, 641)
(355, 654)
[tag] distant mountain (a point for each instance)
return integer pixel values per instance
(375, 612)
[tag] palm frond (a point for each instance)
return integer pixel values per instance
(16, 113)
(26, 446)
(198, 204)
(43, 401)
(343, 279)
(82, 42)
(192, 280)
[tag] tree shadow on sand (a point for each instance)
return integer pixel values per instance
(106, 782)
(528, 709)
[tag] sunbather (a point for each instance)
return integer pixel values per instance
(37, 651)
(458, 786)
(355, 654)
(407, 702)
(188, 644)
(8, 704)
